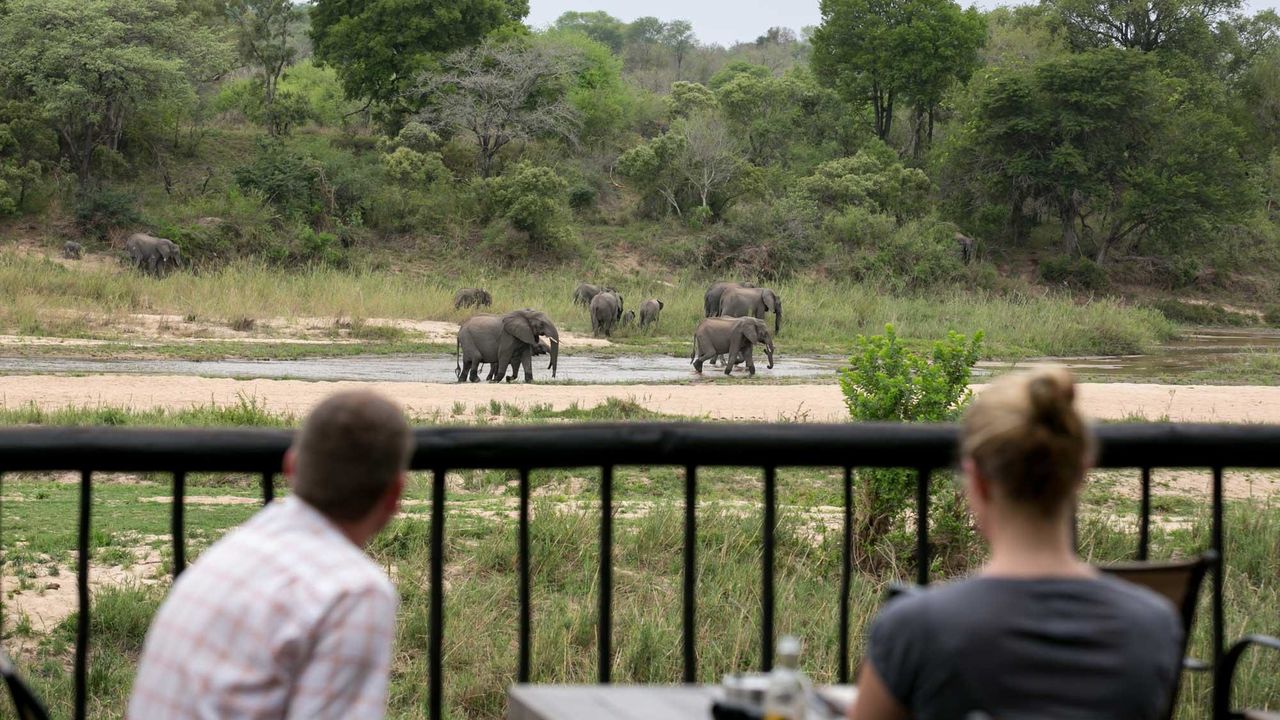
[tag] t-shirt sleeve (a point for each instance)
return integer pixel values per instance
(895, 646)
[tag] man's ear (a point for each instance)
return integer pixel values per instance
(975, 485)
(290, 462)
(391, 499)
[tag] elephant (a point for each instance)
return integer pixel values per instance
(72, 250)
(152, 254)
(472, 297)
(753, 302)
(585, 291)
(734, 337)
(628, 317)
(711, 301)
(649, 311)
(606, 311)
(505, 341)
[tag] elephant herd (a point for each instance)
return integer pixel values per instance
(734, 324)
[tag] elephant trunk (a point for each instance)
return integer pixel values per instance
(777, 318)
(554, 336)
(768, 351)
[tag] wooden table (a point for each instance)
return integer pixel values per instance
(623, 702)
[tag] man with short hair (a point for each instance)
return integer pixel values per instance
(285, 616)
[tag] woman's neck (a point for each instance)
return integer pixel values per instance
(1025, 545)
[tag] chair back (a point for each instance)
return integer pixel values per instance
(25, 703)
(1178, 581)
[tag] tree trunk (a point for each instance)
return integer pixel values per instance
(1070, 237)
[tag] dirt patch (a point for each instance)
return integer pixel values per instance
(205, 500)
(48, 599)
(769, 403)
(1236, 484)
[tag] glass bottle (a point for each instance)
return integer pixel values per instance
(788, 695)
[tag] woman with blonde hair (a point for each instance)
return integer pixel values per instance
(1037, 633)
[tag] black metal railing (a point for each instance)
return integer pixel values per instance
(924, 448)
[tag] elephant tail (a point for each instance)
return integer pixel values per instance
(457, 363)
(696, 354)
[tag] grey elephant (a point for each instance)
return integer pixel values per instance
(628, 317)
(606, 311)
(72, 250)
(472, 297)
(711, 301)
(585, 291)
(752, 302)
(649, 311)
(152, 254)
(734, 337)
(505, 341)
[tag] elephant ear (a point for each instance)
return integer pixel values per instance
(770, 300)
(517, 326)
(750, 330)
(660, 305)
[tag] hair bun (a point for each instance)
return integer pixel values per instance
(1053, 394)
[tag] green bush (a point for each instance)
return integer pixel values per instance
(859, 227)
(1271, 315)
(918, 255)
(1077, 272)
(874, 178)
(533, 201)
(412, 168)
(582, 197)
(98, 210)
(286, 179)
(1206, 314)
(767, 240)
(886, 382)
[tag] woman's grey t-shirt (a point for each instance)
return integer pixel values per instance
(1029, 648)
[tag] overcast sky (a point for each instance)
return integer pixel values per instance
(724, 21)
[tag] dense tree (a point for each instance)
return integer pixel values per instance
(697, 165)
(1106, 143)
(883, 51)
(262, 37)
(380, 47)
(597, 25)
(92, 67)
(500, 92)
(677, 36)
(1136, 24)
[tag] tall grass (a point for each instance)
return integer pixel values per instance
(818, 316)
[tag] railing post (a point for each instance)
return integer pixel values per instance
(1218, 566)
(766, 592)
(689, 626)
(435, 629)
(1144, 517)
(176, 524)
(846, 578)
(605, 628)
(82, 593)
(526, 611)
(922, 526)
(268, 487)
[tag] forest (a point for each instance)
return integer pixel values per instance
(1128, 146)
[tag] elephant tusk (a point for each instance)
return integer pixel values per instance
(554, 341)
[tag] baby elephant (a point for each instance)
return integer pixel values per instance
(628, 317)
(732, 337)
(72, 250)
(649, 311)
(472, 297)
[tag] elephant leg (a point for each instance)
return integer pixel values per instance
(466, 368)
(527, 360)
(750, 360)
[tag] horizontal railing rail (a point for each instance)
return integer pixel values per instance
(922, 448)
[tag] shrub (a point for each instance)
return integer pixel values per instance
(412, 168)
(1202, 313)
(859, 227)
(99, 210)
(874, 178)
(885, 381)
(769, 240)
(286, 179)
(918, 255)
(582, 197)
(534, 200)
(1271, 315)
(1076, 272)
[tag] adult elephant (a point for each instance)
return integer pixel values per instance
(752, 302)
(733, 337)
(583, 294)
(152, 254)
(505, 341)
(606, 311)
(711, 301)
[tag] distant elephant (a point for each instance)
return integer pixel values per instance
(628, 317)
(72, 250)
(152, 254)
(649, 311)
(585, 291)
(472, 297)
(752, 302)
(711, 301)
(734, 337)
(505, 341)
(606, 311)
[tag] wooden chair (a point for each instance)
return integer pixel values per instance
(1179, 581)
(1225, 677)
(25, 703)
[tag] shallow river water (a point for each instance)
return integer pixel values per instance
(1196, 351)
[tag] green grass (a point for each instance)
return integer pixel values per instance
(40, 297)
